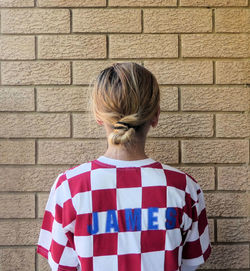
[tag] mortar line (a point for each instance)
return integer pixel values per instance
(215, 231)
(107, 46)
(70, 21)
(135, 7)
(142, 18)
(179, 46)
(213, 20)
(71, 125)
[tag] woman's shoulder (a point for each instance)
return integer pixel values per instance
(78, 169)
(171, 168)
(191, 185)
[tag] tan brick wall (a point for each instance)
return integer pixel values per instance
(199, 53)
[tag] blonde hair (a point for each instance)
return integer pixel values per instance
(125, 95)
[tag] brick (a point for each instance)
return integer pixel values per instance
(16, 3)
(69, 152)
(232, 20)
(34, 125)
(248, 203)
(71, 46)
(229, 98)
(183, 125)
(106, 20)
(169, 98)
(228, 257)
(232, 72)
(77, 152)
(85, 126)
(19, 232)
(234, 178)
(154, 149)
(33, 21)
(17, 151)
(213, 3)
(143, 3)
(13, 258)
(42, 200)
(229, 204)
(205, 176)
(17, 47)
(17, 99)
(62, 98)
(43, 264)
(177, 20)
(28, 178)
(215, 45)
(215, 151)
(233, 230)
(143, 46)
(233, 125)
(86, 70)
(181, 72)
(71, 3)
(17, 205)
(77, 98)
(31, 72)
(211, 229)
(170, 125)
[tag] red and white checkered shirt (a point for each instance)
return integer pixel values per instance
(117, 215)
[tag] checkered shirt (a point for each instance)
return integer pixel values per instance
(117, 215)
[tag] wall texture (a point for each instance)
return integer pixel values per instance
(198, 51)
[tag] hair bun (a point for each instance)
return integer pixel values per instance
(123, 125)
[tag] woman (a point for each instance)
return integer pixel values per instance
(125, 211)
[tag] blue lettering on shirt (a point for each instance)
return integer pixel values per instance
(133, 221)
(111, 221)
(152, 218)
(95, 228)
(171, 218)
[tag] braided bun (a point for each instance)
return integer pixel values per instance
(121, 136)
(125, 130)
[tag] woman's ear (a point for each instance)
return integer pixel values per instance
(155, 119)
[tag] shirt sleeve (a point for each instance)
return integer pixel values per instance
(196, 246)
(56, 235)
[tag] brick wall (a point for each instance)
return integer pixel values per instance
(199, 52)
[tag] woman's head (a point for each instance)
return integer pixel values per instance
(126, 97)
